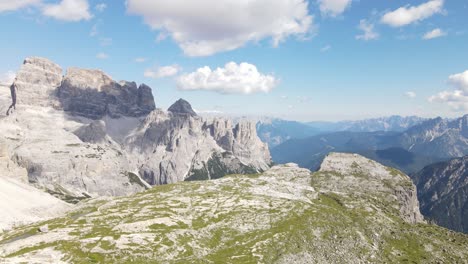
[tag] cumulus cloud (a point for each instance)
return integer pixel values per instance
(9, 5)
(162, 72)
(102, 56)
(7, 78)
(409, 14)
(457, 98)
(68, 10)
(243, 78)
(333, 7)
(410, 94)
(436, 33)
(206, 27)
(368, 31)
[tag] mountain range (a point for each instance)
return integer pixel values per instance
(82, 135)
(275, 131)
(428, 142)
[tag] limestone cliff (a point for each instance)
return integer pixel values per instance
(84, 134)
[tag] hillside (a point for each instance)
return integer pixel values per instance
(443, 192)
(353, 210)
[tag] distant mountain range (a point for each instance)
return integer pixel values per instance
(391, 123)
(428, 142)
(276, 131)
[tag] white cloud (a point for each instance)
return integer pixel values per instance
(325, 48)
(105, 42)
(457, 99)
(94, 31)
(333, 7)
(368, 31)
(243, 78)
(7, 78)
(206, 27)
(102, 56)
(100, 7)
(140, 59)
(436, 33)
(410, 94)
(68, 10)
(162, 72)
(11, 5)
(409, 14)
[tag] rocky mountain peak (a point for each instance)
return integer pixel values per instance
(37, 81)
(181, 106)
(93, 94)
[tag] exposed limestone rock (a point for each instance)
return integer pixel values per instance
(93, 94)
(37, 81)
(284, 215)
(95, 132)
(369, 176)
(184, 145)
(21, 204)
(8, 168)
(182, 107)
(103, 138)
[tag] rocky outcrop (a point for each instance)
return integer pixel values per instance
(93, 94)
(37, 81)
(93, 136)
(182, 107)
(285, 215)
(443, 192)
(95, 132)
(369, 177)
(189, 147)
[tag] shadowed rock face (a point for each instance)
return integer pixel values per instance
(443, 192)
(93, 94)
(88, 93)
(182, 107)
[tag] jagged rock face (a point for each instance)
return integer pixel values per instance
(93, 94)
(182, 107)
(37, 81)
(443, 192)
(359, 172)
(187, 147)
(95, 132)
(105, 138)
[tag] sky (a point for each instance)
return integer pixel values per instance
(293, 59)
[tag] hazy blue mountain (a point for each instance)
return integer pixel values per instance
(443, 193)
(392, 123)
(438, 137)
(277, 131)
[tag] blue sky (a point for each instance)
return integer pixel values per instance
(413, 60)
